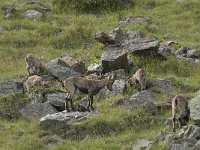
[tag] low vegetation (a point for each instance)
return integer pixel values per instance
(62, 31)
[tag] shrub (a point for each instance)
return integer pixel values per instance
(10, 105)
(92, 6)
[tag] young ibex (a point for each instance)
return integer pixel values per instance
(139, 77)
(180, 104)
(86, 86)
(35, 81)
(34, 63)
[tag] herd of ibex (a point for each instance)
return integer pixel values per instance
(92, 84)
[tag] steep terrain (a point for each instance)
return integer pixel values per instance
(159, 36)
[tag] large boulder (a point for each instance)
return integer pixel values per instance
(57, 100)
(137, 100)
(135, 20)
(164, 86)
(11, 86)
(33, 15)
(194, 105)
(114, 60)
(72, 63)
(59, 71)
(37, 110)
(60, 123)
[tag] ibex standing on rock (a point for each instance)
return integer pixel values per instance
(139, 77)
(180, 104)
(34, 63)
(86, 86)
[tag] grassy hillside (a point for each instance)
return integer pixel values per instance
(63, 30)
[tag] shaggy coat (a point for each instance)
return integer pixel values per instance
(180, 106)
(139, 77)
(34, 63)
(86, 86)
(34, 80)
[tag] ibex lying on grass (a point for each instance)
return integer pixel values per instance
(139, 77)
(34, 63)
(35, 81)
(86, 86)
(180, 104)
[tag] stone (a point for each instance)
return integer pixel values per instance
(193, 53)
(36, 110)
(37, 96)
(194, 105)
(117, 36)
(102, 37)
(165, 51)
(150, 108)
(33, 15)
(2, 30)
(136, 101)
(134, 35)
(164, 85)
(11, 86)
(135, 20)
(72, 63)
(114, 60)
(94, 68)
(87, 45)
(119, 74)
(169, 139)
(59, 71)
(57, 100)
(143, 46)
(142, 145)
(59, 123)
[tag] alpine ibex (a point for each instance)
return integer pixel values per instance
(86, 86)
(34, 63)
(35, 81)
(180, 104)
(139, 77)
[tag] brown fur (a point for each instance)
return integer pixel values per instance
(34, 80)
(34, 63)
(180, 106)
(139, 77)
(93, 77)
(87, 86)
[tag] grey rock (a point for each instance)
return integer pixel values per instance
(72, 63)
(59, 123)
(36, 110)
(57, 100)
(143, 48)
(181, 51)
(119, 74)
(33, 15)
(138, 99)
(11, 86)
(165, 51)
(196, 146)
(134, 35)
(118, 88)
(94, 68)
(103, 38)
(117, 36)
(142, 145)
(164, 85)
(182, 146)
(150, 108)
(36, 96)
(192, 132)
(193, 53)
(59, 71)
(114, 60)
(2, 30)
(194, 105)
(135, 20)
(169, 139)
(87, 45)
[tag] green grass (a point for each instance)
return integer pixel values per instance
(62, 32)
